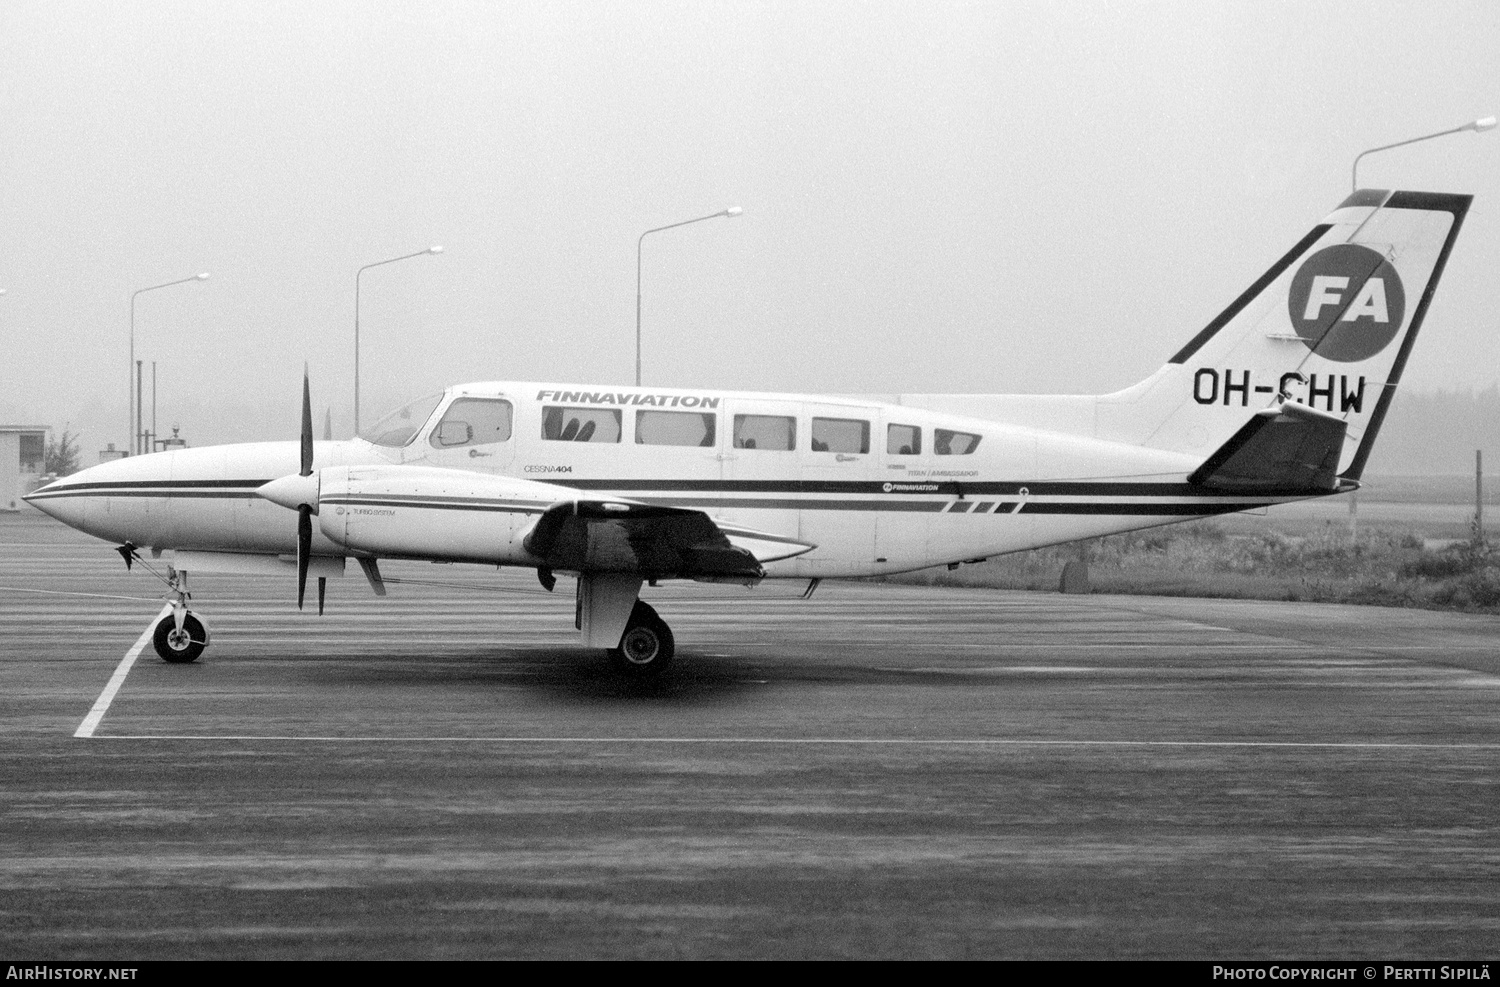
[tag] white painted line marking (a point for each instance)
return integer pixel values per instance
(872, 741)
(101, 705)
(91, 596)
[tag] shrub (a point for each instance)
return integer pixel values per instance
(1450, 562)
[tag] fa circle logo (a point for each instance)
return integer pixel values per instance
(1346, 303)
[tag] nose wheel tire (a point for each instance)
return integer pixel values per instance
(646, 647)
(179, 647)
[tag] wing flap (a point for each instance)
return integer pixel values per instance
(654, 540)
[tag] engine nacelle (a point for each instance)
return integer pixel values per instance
(426, 512)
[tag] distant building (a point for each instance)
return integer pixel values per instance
(23, 449)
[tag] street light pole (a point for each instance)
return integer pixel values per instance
(132, 412)
(1478, 126)
(731, 211)
(357, 274)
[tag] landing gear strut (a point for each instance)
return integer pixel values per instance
(646, 647)
(180, 636)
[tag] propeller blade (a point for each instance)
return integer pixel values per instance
(307, 436)
(304, 550)
(322, 589)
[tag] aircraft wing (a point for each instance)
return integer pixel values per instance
(603, 535)
(1286, 449)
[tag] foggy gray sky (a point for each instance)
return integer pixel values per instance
(1046, 197)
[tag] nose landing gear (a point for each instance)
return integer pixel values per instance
(181, 635)
(180, 645)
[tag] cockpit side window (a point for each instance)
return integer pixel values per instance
(472, 422)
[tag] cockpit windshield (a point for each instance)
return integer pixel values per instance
(400, 426)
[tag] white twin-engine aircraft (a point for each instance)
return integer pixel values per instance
(1277, 399)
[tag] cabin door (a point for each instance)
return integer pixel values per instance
(903, 526)
(761, 469)
(838, 462)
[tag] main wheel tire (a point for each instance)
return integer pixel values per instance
(179, 648)
(646, 647)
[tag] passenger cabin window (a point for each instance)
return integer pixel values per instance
(903, 440)
(472, 422)
(840, 435)
(949, 443)
(765, 432)
(674, 428)
(561, 424)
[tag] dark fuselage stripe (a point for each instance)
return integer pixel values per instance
(121, 487)
(946, 487)
(173, 492)
(1129, 508)
(1202, 502)
(509, 507)
(629, 487)
(931, 506)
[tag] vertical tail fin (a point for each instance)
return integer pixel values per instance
(1330, 325)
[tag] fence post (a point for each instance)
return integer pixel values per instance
(1479, 498)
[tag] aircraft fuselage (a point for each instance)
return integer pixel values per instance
(876, 487)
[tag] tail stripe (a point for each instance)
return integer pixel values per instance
(1260, 285)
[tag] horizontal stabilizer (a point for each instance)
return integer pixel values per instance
(1288, 449)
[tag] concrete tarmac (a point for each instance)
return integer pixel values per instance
(879, 772)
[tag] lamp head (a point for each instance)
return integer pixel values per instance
(434, 250)
(736, 210)
(203, 276)
(1479, 126)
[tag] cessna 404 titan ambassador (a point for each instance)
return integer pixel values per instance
(1277, 399)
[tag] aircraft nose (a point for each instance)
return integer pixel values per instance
(61, 500)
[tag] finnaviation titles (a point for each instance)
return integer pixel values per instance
(606, 397)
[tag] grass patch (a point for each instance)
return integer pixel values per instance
(1382, 566)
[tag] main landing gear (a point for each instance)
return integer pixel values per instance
(646, 647)
(611, 615)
